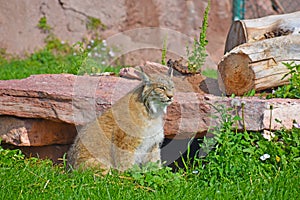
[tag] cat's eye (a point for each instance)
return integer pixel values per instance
(162, 87)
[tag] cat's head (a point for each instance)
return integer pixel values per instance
(158, 92)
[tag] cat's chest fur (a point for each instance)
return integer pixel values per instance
(153, 136)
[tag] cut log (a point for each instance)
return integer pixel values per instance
(253, 30)
(258, 65)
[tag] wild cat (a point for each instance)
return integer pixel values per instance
(128, 133)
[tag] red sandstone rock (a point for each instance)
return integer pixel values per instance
(67, 100)
(69, 19)
(35, 132)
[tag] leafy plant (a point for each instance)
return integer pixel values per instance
(231, 155)
(292, 90)
(94, 24)
(250, 93)
(153, 177)
(43, 25)
(197, 57)
(164, 52)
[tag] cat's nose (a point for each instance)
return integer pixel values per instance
(170, 96)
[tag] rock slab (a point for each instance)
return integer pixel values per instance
(46, 109)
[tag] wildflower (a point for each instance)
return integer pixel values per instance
(104, 43)
(89, 54)
(88, 46)
(92, 41)
(103, 62)
(96, 54)
(277, 159)
(264, 157)
(111, 53)
(268, 135)
(74, 54)
(62, 42)
(195, 171)
(243, 103)
(235, 103)
(296, 125)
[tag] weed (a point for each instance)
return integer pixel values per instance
(43, 25)
(197, 57)
(93, 24)
(231, 155)
(250, 93)
(153, 177)
(164, 52)
(292, 90)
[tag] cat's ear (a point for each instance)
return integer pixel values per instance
(170, 72)
(144, 77)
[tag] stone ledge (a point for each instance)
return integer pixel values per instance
(48, 107)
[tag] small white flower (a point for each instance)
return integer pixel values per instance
(235, 103)
(88, 46)
(195, 171)
(268, 135)
(296, 125)
(92, 41)
(89, 54)
(111, 53)
(103, 62)
(104, 43)
(62, 42)
(264, 157)
(74, 54)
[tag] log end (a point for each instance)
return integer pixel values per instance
(235, 75)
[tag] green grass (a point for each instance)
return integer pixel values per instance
(39, 179)
(59, 57)
(211, 73)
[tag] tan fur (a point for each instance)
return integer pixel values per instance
(128, 133)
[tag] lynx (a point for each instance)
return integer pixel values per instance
(130, 132)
